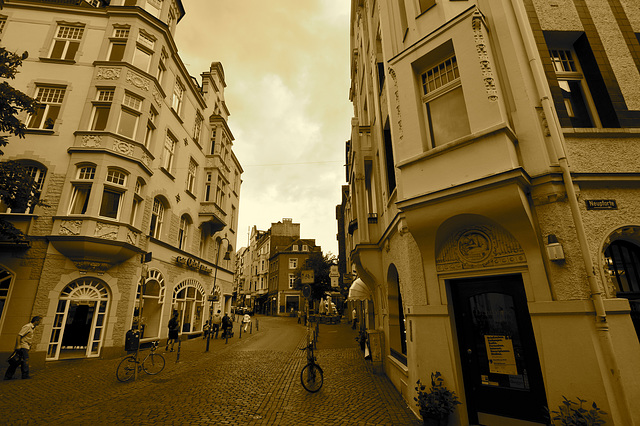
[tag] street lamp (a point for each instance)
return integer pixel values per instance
(227, 256)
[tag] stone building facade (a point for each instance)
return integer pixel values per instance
(492, 207)
(132, 156)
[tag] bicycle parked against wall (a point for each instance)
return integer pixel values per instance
(311, 375)
(152, 364)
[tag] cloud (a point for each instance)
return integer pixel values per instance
(287, 72)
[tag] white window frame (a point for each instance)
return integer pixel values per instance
(436, 82)
(157, 217)
(115, 184)
(137, 202)
(183, 232)
(50, 99)
(569, 70)
(191, 175)
(168, 153)
(292, 280)
(293, 263)
(131, 106)
(104, 99)
(119, 38)
(69, 37)
(178, 96)
(208, 186)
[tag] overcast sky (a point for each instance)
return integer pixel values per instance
(286, 66)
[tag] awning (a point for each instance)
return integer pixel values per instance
(359, 291)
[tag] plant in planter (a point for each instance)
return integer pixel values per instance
(437, 403)
(571, 413)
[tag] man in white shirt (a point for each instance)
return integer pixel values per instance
(23, 344)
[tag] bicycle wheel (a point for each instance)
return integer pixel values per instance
(153, 364)
(312, 377)
(126, 369)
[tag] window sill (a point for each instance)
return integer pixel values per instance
(582, 132)
(58, 61)
(40, 131)
(175, 113)
(190, 194)
(168, 173)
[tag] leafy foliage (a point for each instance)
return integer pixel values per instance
(438, 401)
(12, 101)
(571, 413)
(321, 266)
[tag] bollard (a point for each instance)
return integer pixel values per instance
(178, 355)
(240, 335)
(251, 327)
(257, 324)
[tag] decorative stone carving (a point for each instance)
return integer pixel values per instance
(156, 3)
(93, 267)
(146, 160)
(106, 231)
(108, 73)
(132, 237)
(70, 227)
(123, 147)
(479, 246)
(137, 80)
(483, 55)
(92, 141)
(157, 96)
(543, 122)
(392, 73)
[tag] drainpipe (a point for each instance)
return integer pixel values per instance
(619, 406)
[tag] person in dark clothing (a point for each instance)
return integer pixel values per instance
(227, 325)
(174, 327)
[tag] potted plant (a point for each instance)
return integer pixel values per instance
(436, 403)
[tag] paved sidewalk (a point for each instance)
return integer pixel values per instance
(254, 380)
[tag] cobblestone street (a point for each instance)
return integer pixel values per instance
(253, 380)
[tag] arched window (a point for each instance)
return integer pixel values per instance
(152, 303)
(188, 300)
(6, 279)
(397, 328)
(623, 261)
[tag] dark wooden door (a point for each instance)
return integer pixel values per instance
(500, 362)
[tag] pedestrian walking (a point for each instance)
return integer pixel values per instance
(23, 344)
(299, 316)
(227, 324)
(246, 321)
(174, 327)
(215, 323)
(205, 329)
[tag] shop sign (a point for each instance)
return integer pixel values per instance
(192, 263)
(500, 354)
(601, 204)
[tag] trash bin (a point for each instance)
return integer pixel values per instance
(132, 340)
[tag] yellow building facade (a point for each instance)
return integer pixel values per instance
(132, 156)
(493, 200)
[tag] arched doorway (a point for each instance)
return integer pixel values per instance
(397, 326)
(79, 320)
(188, 300)
(623, 262)
(152, 303)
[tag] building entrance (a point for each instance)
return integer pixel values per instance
(79, 321)
(500, 365)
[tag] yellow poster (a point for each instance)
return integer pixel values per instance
(502, 360)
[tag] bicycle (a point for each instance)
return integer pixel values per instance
(311, 375)
(152, 364)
